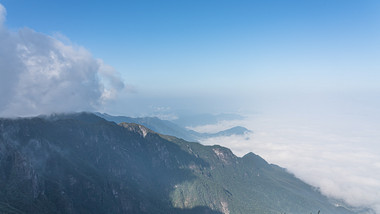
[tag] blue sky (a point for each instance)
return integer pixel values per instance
(189, 47)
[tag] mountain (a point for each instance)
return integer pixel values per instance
(81, 163)
(186, 119)
(157, 125)
(237, 130)
(169, 128)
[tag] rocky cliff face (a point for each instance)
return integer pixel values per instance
(80, 163)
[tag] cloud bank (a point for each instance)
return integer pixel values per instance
(40, 74)
(338, 153)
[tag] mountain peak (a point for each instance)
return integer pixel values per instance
(142, 130)
(256, 159)
(237, 130)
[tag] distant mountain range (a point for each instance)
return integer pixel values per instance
(82, 163)
(170, 128)
(186, 119)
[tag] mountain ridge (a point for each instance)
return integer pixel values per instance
(171, 128)
(81, 163)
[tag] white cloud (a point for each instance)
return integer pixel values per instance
(41, 74)
(3, 13)
(339, 154)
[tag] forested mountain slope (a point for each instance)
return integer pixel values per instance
(81, 163)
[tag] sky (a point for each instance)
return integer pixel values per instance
(304, 73)
(218, 48)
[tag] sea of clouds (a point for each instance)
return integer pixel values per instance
(335, 148)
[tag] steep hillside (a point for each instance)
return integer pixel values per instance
(81, 163)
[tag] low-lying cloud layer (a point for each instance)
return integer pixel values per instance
(336, 151)
(40, 74)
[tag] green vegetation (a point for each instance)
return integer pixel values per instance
(81, 163)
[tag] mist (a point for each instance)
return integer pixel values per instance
(330, 140)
